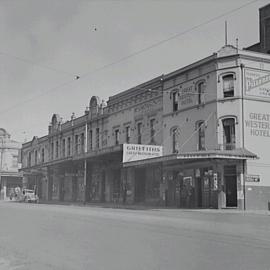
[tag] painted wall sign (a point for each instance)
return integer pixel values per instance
(258, 124)
(252, 178)
(132, 152)
(257, 83)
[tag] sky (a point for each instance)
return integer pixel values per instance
(46, 44)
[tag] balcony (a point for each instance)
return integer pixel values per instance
(226, 146)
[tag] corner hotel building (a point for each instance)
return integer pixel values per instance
(207, 126)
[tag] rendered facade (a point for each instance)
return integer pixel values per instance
(9, 164)
(212, 119)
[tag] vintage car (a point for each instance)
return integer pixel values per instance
(29, 196)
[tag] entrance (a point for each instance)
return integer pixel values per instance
(199, 189)
(103, 182)
(230, 178)
(140, 179)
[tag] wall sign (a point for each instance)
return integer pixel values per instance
(258, 124)
(132, 152)
(257, 83)
(253, 178)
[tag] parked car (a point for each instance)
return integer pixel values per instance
(30, 196)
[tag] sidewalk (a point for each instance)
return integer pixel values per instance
(157, 208)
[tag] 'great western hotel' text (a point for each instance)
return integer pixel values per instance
(259, 124)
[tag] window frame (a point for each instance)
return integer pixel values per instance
(201, 135)
(139, 132)
(228, 92)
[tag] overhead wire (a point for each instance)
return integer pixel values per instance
(124, 58)
(30, 62)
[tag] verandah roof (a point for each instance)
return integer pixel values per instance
(238, 154)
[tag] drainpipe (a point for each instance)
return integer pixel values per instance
(243, 135)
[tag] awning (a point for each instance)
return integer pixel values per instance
(235, 154)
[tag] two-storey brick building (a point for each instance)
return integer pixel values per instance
(81, 159)
(211, 117)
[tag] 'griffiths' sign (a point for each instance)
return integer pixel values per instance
(132, 152)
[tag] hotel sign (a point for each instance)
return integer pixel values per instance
(257, 83)
(133, 152)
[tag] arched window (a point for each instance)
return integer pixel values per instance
(228, 85)
(29, 159)
(42, 155)
(228, 133)
(174, 140)
(175, 101)
(200, 88)
(36, 157)
(201, 135)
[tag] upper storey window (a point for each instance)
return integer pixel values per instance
(228, 85)
(174, 140)
(116, 136)
(229, 133)
(97, 138)
(200, 87)
(69, 147)
(201, 135)
(56, 149)
(76, 144)
(29, 159)
(36, 157)
(139, 132)
(42, 155)
(63, 148)
(82, 143)
(175, 101)
(128, 134)
(152, 130)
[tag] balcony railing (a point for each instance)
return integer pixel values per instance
(226, 146)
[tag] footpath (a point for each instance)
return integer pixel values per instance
(157, 208)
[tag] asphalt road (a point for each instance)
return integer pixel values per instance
(73, 237)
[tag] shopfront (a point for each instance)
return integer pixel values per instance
(196, 180)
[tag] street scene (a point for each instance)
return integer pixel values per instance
(135, 135)
(76, 237)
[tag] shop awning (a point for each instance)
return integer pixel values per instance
(238, 154)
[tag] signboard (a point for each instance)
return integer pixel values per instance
(215, 181)
(132, 152)
(252, 178)
(257, 83)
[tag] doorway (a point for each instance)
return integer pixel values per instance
(230, 178)
(103, 184)
(140, 180)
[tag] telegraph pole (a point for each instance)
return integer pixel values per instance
(85, 164)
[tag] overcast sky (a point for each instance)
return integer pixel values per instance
(45, 44)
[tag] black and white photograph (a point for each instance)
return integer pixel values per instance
(134, 135)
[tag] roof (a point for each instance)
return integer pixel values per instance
(240, 153)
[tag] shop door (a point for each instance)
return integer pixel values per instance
(140, 179)
(230, 178)
(103, 182)
(171, 193)
(199, 191)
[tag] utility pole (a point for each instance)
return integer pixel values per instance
(85, 164)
